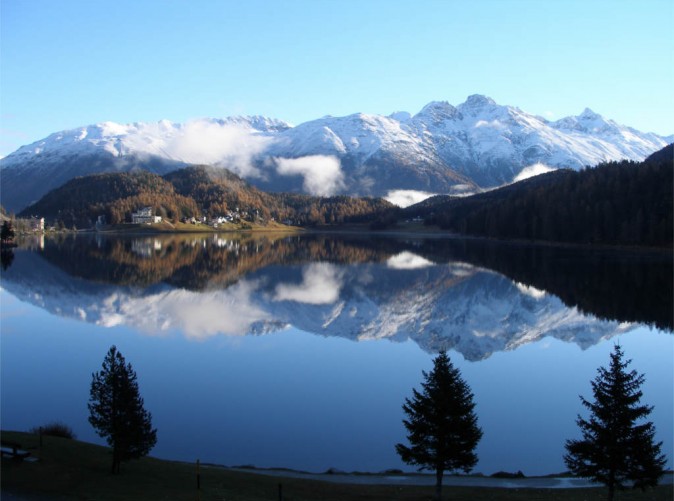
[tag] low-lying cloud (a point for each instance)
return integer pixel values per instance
(405, 198)
(533, 170)
(322, 174)
(321, 284)
(407, 261)
(232, 146)
(231, 312)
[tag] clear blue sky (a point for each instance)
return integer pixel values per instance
(67, 63)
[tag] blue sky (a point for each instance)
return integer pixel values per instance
(69, 63)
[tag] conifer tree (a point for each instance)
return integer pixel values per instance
(6, 231)
(442, 427)
(617, 448)
(116, 410)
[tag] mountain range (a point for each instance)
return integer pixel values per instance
(442, 149)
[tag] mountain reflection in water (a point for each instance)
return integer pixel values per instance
(471, 296)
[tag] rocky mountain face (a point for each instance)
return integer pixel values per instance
(442, 149)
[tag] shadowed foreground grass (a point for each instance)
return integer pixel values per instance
(69, 470)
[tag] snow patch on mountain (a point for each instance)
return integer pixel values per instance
(530, 290)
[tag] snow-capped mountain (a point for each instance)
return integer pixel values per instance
(441, 149)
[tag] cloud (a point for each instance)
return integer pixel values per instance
(230, 312)
(322, 174)
(321, 284)
(229, 145)
(405, 198)
(407, 261)
(533, 170)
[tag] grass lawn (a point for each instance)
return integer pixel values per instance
(72, 470)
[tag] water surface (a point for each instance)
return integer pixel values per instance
(298, 352)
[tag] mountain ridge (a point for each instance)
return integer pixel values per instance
(442, 149)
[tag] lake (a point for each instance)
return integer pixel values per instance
(298, 351)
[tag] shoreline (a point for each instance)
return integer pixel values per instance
(501, 479)
(416, 231)
(554, 481)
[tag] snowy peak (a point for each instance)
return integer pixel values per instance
(588, 114)
(476, 102)
(437, 112)
(476, 144)
(359, 135)
(256, 122)
(587, 122)
(140, 137)
(400, 116)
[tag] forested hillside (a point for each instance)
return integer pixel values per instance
(197, 192)
(218, 191)
(80, 201)
(615, 203)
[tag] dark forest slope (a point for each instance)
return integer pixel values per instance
(616, 203)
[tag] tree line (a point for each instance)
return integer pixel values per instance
(615, 203)
(617, 447)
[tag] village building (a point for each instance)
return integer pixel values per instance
(37, 224)
(145, 216)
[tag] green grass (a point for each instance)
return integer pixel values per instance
(72, 470)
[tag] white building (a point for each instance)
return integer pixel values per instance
(145, 216)
(37, 224)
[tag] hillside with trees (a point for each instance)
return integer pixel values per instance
(115, 196)
(615, 203)
(192, 192)
(218, 191)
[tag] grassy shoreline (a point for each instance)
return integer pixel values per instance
(406, 230)
(180, 228)
(69, 470)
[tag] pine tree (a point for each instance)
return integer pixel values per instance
(6, 231)
(618, 448)
(116, 410)
(442, 427)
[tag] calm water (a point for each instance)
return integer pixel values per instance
(299, 352)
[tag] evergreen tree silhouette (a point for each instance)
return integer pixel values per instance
(617, 448)
(116, 410)
(442, 427)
